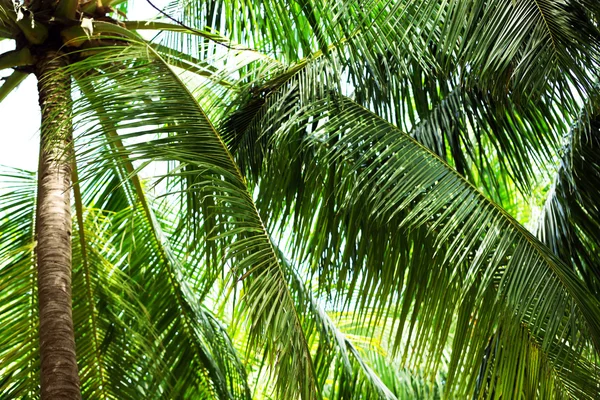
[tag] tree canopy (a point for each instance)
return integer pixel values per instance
(316, 199)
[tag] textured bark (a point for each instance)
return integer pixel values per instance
(59, 377)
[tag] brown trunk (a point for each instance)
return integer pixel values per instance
(59, 377)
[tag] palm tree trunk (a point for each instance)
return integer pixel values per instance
(59, 377)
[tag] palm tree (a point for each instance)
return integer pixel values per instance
(332, 204)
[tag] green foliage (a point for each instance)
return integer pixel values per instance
(330, 202)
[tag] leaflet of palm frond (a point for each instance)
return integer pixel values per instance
(372, 187)
(103, 303)
(148, 101)
(149, 260)
(18, 312)
(569, 223)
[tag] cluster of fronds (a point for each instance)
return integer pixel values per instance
(325, 217)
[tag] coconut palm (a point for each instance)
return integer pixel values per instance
(307, 199)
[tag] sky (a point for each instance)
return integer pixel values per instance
(20, 117)
(20, 111)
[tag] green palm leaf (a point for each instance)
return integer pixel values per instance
(173, 307)
(18, 316)
(569, 222)
(272, 130)
(251, 254)
(380, 196)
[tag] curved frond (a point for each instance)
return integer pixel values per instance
(150, 100)
(282, 124)
(569, 224)
(19, 363)
(189, 335)
(447, 70)
(395, 221)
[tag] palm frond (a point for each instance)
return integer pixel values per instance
(408, 64)
(11, 82)
(569, 220)
(8, 23)
(532, 41)
(463, 126)
(352, 376)
(395, 221)
(269, 305)
(115, 343)
(18, 313)
(200, 339)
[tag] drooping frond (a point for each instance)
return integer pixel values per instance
(399, 230)
(150, 102)
(403, 60)
(188, 333)
(465, 127)
(569, 224)
(18, 313)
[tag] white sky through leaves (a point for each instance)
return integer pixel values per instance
(20, 112)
